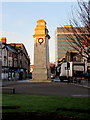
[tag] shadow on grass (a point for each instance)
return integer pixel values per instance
(37, 116)
(73, 110)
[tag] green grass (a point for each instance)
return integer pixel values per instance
(46, 104)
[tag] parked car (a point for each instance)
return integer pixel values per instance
(78, 79)
(56, 79)
(53, 76)
(30, 75)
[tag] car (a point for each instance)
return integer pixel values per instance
(56, 79)
(53, 76)
(30, 75)
(78, 79)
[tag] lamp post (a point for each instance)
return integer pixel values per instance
(68, 68)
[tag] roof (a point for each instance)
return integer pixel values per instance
(17, 44)
(61, 58)
(72, 51)
(21, 45)
(11, 48)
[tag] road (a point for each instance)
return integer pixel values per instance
(50, 88)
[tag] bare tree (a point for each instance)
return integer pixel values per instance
(80, 27)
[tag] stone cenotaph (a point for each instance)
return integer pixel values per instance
(41, 71)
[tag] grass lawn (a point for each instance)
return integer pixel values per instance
(78, 107)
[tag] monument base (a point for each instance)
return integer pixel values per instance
(40, 75)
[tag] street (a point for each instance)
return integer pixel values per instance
(50, 88)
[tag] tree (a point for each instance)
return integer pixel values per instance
(80, 26)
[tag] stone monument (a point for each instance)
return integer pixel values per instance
(41, 71)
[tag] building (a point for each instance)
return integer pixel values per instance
(9, 61)
(15, 61)
(61, 43)
(70, 56)
(63, 49)
(23, 60)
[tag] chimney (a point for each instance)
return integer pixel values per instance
(3, 40)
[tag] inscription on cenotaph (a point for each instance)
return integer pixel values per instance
(41, 71)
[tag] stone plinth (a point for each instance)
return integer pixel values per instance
(40, 75)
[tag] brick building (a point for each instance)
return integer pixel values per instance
(15, 61)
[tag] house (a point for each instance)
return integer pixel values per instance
(15, 61)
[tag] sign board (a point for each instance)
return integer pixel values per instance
(79, 68)
(88, 64)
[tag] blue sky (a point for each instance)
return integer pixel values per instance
(19, 20)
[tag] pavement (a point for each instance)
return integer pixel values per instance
(48, 88)
(83, 83)
(4, 83)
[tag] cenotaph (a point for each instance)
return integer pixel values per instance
(41, 71)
